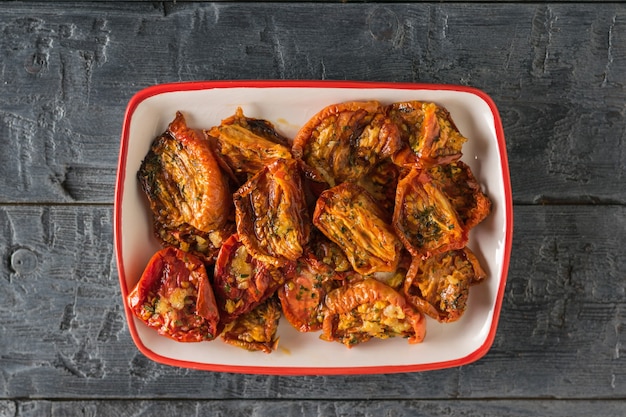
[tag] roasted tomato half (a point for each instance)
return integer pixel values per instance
(175, 297)
(370, 309)
(344, 141)
(247, 145)
(459, 185)
(438, 286)
(350, 217)
(429, 131)
(272, 218)
(242, 282)
(302, 295)
(255, 330)
(183, 181)
(424, 218)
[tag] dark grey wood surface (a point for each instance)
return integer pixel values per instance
(557, 72)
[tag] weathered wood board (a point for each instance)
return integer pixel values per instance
(265, 408)
(561, 333)
(556, 71)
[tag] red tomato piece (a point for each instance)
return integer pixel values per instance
(302, 294)
(175, 297)
(368, 308)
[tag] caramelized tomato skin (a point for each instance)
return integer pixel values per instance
(424, 219)
(367, 308)
(439, 286)
(247, 145)
(349, 216)
(271, 214)
(344, 141)
(458, 183)
(183, 180)
(175, 297)
(429, 134)
(187, 192)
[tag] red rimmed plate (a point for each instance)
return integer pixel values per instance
(288, 105)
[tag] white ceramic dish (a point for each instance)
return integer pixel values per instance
(289, 104)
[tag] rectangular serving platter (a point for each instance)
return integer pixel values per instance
(288, 105)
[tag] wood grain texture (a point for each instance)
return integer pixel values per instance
(256, 408)
(556, 71)
(561, 333)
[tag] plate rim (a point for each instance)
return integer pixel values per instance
(159, 89)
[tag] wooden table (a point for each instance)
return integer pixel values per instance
(557, 72)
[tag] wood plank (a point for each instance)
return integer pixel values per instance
(556, 71)
(334, 1)
(64, 336)
(322, 408)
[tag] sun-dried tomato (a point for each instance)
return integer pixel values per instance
(369, 309)
(175, 297)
